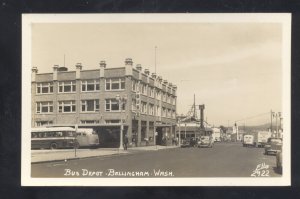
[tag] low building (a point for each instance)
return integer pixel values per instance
(104, 99)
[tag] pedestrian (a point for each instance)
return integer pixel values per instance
(125, 143)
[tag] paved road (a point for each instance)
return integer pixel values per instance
(223, 160)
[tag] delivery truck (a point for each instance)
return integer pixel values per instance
(260, 138)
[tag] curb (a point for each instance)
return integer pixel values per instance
(110, 155)
(77, 158)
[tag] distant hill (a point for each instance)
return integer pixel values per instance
(263, 127)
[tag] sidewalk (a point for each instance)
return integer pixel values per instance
(38, 156)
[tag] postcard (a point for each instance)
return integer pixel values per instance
(156, 99)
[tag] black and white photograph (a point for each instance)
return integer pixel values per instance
(156, 99)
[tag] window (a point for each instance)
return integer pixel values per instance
(174, 115)
(112, 105)
(169, 113)
(144, 108)
(151, 109)
(66, 106)
(115, 84)
(158, 113)
(151, 90)
(67, 87)
(44, 107)
(90, 85)
(168, 98)
(90, 105)
(158, 95)
(89, 121)
(43, 123)
(174, 101)
(134, 85)
(46, 87)
(163, 97)
(133, 105)
(164, 112)
(144, 89)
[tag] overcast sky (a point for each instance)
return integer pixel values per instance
(234, 69)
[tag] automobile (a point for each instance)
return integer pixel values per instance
(186, 143)
(206, 141)
(279, 161)
(273, 146)
(189, 142)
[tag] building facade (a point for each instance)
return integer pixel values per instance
(90, 98)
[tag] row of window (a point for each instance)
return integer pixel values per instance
(47, 123)
(86, 86)
(70, 106)
(111, 105)
(110, 84)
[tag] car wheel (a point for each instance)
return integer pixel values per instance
(53, 145)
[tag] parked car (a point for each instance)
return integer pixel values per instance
(273, 145)
(186, 143)
(206, 141)
(279, 161)
(189, 142)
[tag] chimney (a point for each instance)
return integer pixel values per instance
(139, 67)
(102, 67)
(159, 78)
(55, 70)
(154, 75)
(34, 71)
(147, 72)
(103, 64)
(128, 67)
(78, 69)
(170, 84)
(128, 62)
(165, 81)
(175, 87)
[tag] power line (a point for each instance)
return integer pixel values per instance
(251, 117)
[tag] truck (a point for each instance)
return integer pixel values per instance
(260, 138)
(216, 134)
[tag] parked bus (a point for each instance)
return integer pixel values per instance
(87, 138)
(53, 137)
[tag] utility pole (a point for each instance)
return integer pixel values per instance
(194, 108)
(271, 122)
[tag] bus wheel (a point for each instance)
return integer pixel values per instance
(53, 145)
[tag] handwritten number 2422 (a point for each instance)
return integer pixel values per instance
(262, 173)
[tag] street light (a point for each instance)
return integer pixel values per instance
(121, 102)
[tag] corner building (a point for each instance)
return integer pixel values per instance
(87, 99)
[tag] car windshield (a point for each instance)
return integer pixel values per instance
(204, 138)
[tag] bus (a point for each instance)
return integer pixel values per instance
(87, 138)
(53, 138)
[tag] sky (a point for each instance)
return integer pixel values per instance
(235, 69)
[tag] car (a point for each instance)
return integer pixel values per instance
(206, 141)
(273, 146)
(279, 161)
(186, 143)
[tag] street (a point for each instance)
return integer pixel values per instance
(223, 160)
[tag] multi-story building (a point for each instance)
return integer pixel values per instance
(88, 98)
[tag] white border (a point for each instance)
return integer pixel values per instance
(28, 19)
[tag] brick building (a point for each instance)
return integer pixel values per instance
(87, 98)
